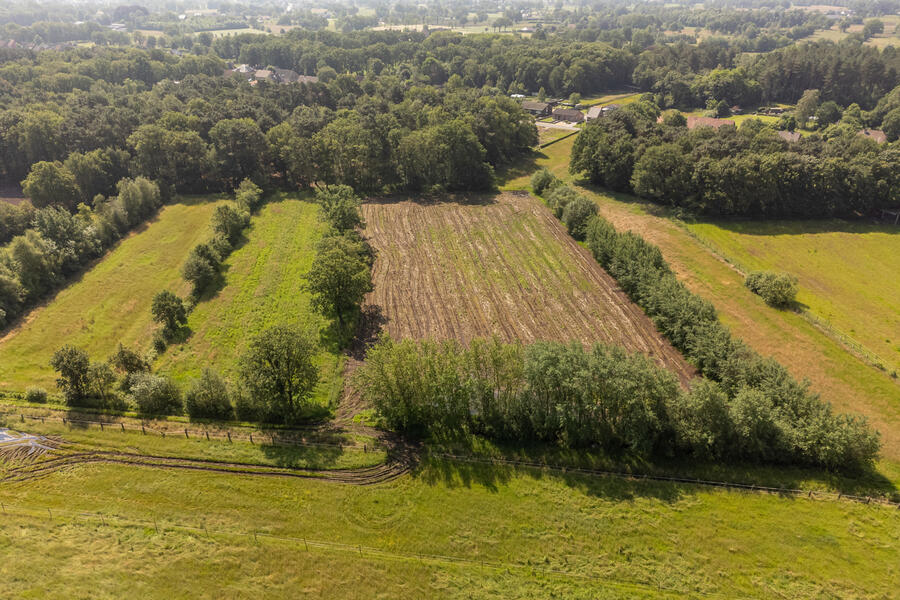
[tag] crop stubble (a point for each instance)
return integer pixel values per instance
(502, 265)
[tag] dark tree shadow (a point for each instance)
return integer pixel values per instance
(525, 165)
(622, 477)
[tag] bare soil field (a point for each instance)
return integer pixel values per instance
(500, 265)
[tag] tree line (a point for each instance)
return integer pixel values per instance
(58, 243)
(794, 425)
(746, 171)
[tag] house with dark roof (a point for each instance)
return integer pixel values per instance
(538, 109)
(264, 75)
(286, 75)
(568, 114)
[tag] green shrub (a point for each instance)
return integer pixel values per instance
(559, 197)
(208, 398)
(37, 395)
(156, 395)
(543, 181)
(777, 289)
(576, 216)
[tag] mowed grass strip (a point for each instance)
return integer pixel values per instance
(694, 541)
(849, 272)
(110, 302)
(498, 265)
(263, 286)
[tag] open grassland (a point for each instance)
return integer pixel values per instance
(847, 271)
(110, 302)
(263, 286)
(890, 37)
(498, 265)
(539, 534)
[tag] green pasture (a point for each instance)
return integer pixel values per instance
(847, 271)
(263, 286)
(110, 301)
(540, 534)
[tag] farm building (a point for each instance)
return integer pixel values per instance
(596, 112)
(286, 75)
(568, 114)
(538, 109)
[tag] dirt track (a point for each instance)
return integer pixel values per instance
(500, 265)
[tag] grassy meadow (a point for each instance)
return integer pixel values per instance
(263, 281)
(541, 534)
(110, 301)
(847, 272)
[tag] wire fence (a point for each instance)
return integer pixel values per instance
(747, 487)
(355, 550)
(272, 438)
(263, 438)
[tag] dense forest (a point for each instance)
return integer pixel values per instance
(746, 171)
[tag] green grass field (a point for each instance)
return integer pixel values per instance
(263, 287)
(110, 302)
(847, 272)
(540, 534)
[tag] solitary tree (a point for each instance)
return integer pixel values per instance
(278, 371)
(340, 277)
(168, 309)
(72, 365)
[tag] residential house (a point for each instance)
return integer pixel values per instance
(538, 109)
(568, 114)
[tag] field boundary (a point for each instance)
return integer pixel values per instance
(261, 438)
(746, 487)
(362, 551)
(559, 139)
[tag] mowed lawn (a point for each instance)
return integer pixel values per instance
(849, 272)
(540, 535)
(110, 302)
(263, 287)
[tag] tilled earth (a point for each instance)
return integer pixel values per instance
(498, 265)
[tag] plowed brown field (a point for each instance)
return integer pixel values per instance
(498, 265)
